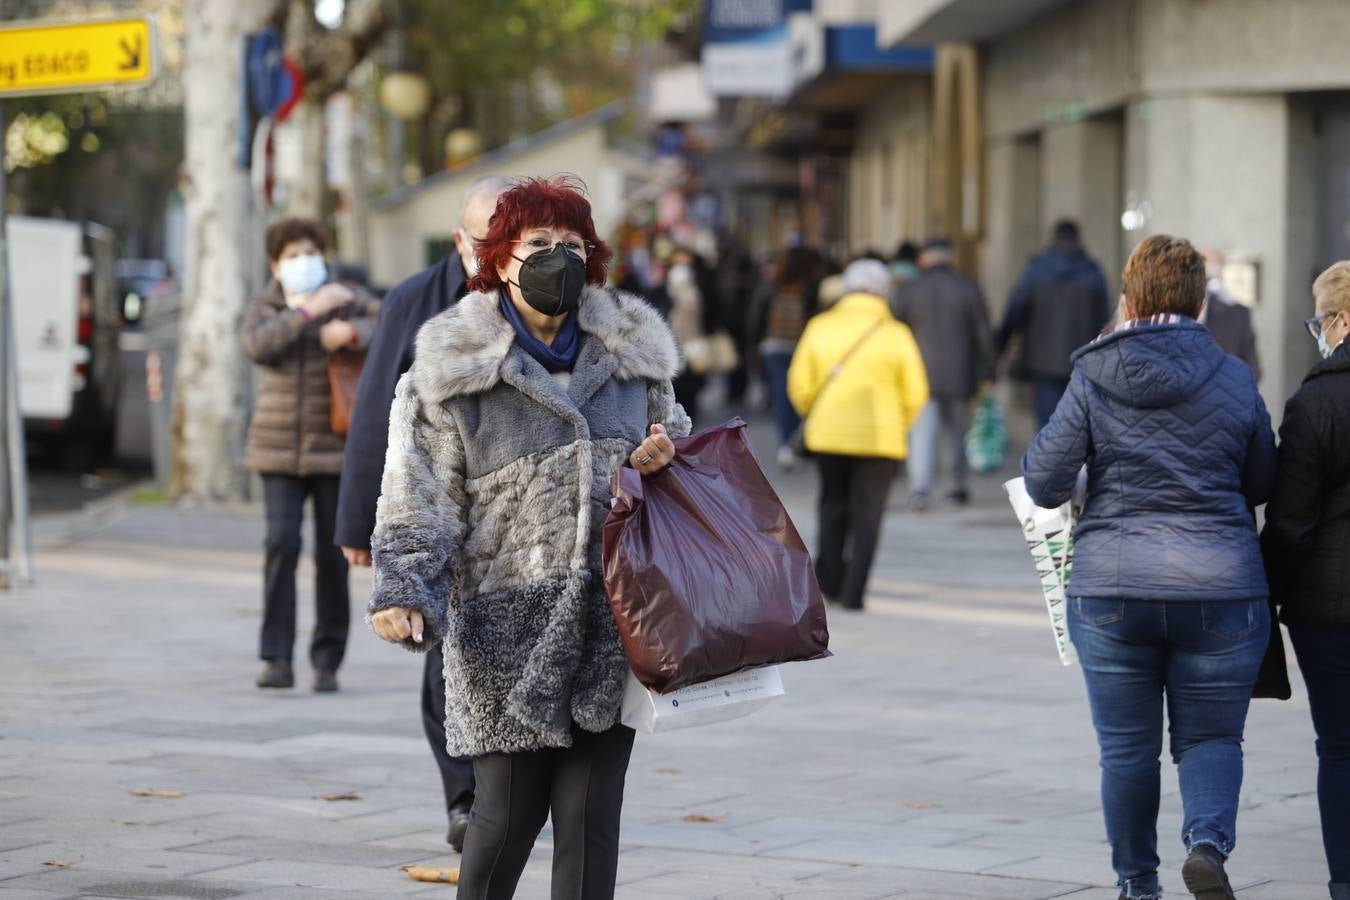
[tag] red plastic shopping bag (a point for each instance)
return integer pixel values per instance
(705, 572)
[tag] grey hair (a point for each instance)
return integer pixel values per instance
(867, 276)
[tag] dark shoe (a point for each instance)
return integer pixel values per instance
(325, 681)
(459, 826)
(1204, 874)
(277, 674)
(960, 498)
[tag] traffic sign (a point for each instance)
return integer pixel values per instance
(38, 57)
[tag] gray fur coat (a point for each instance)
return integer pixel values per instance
(496, 485)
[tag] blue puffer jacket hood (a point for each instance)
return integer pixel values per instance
(1179, 450)
(1150, 366)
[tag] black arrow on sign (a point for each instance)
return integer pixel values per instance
(133, 54)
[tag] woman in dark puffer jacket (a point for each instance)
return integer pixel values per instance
(1307, 544)
(1168, 596)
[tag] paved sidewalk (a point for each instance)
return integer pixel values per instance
(942, 753)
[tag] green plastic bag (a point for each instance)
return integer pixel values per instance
(987, 440)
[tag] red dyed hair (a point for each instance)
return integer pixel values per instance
(558, 202)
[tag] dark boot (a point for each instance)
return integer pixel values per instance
(277, 674)
(325, 681)
(1204, 874)
(459, 826)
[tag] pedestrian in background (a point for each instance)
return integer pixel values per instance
(1306, 540)
(858, 381)
(1228, 320)
(290, 330)
(1168, 600)
(688, 317)
(947, 313)
(783, 306)
(1059, 304)
(405, 310)
(522, 402)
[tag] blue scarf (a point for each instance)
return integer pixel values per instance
(561, 355)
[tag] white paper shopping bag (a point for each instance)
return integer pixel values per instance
(719, 700)
(1049, 534)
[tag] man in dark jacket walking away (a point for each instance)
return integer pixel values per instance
(1059, 304)
(406, 308)
(947, 313)
(1306, 538)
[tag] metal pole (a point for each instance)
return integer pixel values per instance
(15, 544)
(5, 354)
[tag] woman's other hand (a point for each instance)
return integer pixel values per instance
(327, 299)
(654, 453)
(397, 624)
(337, 334)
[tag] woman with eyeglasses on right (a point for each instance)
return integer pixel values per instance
(1307, 545)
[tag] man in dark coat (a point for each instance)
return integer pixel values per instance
(1058, 305)
(1229, 321)
(947, 313)
(1306, 539)
(405, 309)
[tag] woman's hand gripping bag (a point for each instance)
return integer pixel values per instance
(705, 572)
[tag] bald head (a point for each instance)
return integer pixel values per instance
(479, 201)
(474, 213)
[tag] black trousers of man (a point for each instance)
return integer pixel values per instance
(284, 501)
(581, 787)
(456, 772)
(853, 492)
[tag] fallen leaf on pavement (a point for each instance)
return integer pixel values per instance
(349, 795)
(437, 876)
(164, 795)
(667, 771)
(59, 864)
(922, 806)
(695, 817)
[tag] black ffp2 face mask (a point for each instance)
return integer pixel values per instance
(551, 282)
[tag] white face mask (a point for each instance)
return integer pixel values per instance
(301, 276)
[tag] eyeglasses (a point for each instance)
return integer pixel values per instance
(1314, 325)
(539, 244)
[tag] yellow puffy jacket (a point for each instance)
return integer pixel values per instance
(868, 407)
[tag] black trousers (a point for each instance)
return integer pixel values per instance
(456, 771)
(284, 502)
(582, 787)
(853, 491)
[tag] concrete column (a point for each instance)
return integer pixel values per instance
(1081, 175)
(1012, 215)
(1221, 170)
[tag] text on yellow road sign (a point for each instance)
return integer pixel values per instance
(73, 56)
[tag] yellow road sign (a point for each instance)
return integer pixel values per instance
(39, 57)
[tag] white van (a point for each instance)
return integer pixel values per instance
(66, 320)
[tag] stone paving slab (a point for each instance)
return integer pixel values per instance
(942, 754)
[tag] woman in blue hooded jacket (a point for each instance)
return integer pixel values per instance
(1168, 599)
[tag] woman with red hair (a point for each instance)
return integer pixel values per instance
(523, 400)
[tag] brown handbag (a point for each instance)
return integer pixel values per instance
(344, 373)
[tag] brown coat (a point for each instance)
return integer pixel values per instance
(290, 433)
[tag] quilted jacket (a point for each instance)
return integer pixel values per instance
(1307, 536)
(1179, 450)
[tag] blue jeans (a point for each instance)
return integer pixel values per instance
(784, 416)
(1324, 658)
(1202, 658)
(1047, 392)
(949, 414)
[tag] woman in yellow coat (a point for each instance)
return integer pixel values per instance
(859, 382)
